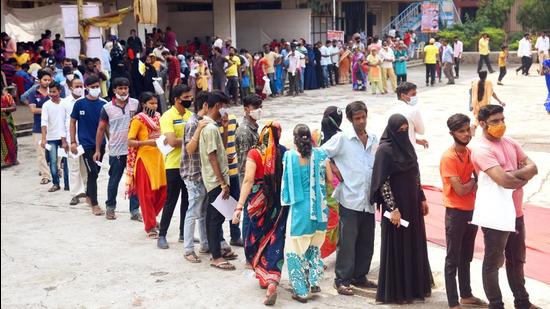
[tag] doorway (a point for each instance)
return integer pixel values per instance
(354, 13)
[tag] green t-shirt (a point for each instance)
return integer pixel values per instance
(210, 140)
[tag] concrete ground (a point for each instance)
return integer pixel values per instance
(58, 256)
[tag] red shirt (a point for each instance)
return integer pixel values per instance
(407, 39)
(47, 44)
(173, 69)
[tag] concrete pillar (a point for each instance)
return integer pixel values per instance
(3, 9)
(224, 19)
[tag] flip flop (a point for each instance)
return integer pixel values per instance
(223, 266)
(192, 257)
(153, 234)
(271, 299)
(344, 290)
(45, 181)
(230, 256)
(54, 188)
(96, 210)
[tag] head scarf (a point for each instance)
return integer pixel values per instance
(330, 125)
(270, 151)
(395, 154)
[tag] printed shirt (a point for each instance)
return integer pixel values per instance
(118, 119)
(190, 168)
(246, 137)
(230, 148)
(210, 140)
(87, 112)
(355, 162)
(454, 164)
(507, 153)
(174, 122)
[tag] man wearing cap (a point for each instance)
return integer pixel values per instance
(430, 59)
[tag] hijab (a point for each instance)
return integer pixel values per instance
(395, 154)
(330, 125)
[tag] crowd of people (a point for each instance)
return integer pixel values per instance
(164, 122)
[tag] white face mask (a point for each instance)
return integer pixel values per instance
(121, 97)
(256, 114)
(69, 77)
(94, 92)
(413, 101)
(224, 111)
(256, 57)
(78, 92)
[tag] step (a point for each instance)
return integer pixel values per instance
(24, 129)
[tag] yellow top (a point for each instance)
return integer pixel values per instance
(230, 148)
(150, 156)
(232, 70)
(483, 46)
(174, 122)
(487, 94)
(22, 59)
(502, 58)
(431, 52)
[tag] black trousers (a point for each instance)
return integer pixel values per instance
(232, 88)
(93, 171)
(333, 74)
(214, 221)
(457, 66)
(293, 82)
(499, 244)
(430, 73)
(484, 58)
(502, 73)
(401, 78)
(218, 82)
(355, 246)
(175, 188)
(525, 65)
(460, 236)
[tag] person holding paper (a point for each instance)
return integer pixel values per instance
(172, 125)
(54, 135)
(260, 199)
(85, 114)
(405, 273)
(215, 174)
(459, 193)
(502, 159)
(305, 173)
(145, 173)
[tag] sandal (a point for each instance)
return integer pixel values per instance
(96, 210)
(45, 181)
(229, 255)
(315, 289)
(303, 300)
(225, 265)
(271, 295)
(473, 302)
(192, 257)
(54, 188)
(153, 234)
(344, 290)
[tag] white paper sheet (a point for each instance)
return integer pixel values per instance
(61, 152)
(80, 151)
(47, 146)
(99, 163)
(164, 148)
(404, 223)
(225, 207)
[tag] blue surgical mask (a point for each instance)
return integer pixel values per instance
(413, 101)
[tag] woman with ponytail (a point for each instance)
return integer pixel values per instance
(306, 170)
(482, 91)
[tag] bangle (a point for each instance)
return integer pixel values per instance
(224, 185)
(239, 209)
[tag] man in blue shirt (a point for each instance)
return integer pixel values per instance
(447, 58)
(86, 113)
(352, 153)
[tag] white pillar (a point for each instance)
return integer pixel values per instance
(4, 6)
(224, 19)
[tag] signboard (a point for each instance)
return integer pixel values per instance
(430, 17)
(447, 13)
(335, 35)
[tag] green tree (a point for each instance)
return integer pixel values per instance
(494, 13)
(535, 14)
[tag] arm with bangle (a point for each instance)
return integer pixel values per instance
(246, 187)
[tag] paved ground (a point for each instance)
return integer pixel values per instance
(57, 256)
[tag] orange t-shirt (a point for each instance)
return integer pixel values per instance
(454, 164)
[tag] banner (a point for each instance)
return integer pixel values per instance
(448, 13)
(430, 17)
(335, 35)
(94, 44)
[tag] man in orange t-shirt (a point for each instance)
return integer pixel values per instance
(459, 193)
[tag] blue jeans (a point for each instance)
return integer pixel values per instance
(325, 82)
(271, 77)
(117, 164)
(51, 158)
(302, 79)
(196, 214)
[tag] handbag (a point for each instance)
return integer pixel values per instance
(494, 206)
(245, 83)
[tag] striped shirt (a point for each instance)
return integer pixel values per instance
(118, 119)
(190, 167)
(230, 147)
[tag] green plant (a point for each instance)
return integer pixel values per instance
(534, 14)
(494, 13)
(497, 36)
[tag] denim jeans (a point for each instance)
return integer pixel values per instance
(325, 82)
(51, 159)
(196, 214)
(302, 71)
(271, 77)
(117, 164)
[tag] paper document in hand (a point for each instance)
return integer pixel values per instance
(61, 152)
(225, 207)
(164, 148)
(47, 146)
(79, 152)
(404, 223)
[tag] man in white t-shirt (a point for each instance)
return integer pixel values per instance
(334, 51)
(54, 134)
(325, 63)
(525, 53)
(407, 105)
(542, 45)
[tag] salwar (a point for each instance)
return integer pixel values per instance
(376, 85)
(304, 263)
(41, 157)
(388, 73)
(151, 201)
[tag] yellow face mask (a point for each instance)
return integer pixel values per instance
(496, 131)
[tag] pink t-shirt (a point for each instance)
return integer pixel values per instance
(507, 153)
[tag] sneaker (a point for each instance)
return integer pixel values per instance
(74, 201)
(500, 83)
(162, 243)
(110, 214)
(137, 217)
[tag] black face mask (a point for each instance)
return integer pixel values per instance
(150, 112)
(460, 142)
(186, 103)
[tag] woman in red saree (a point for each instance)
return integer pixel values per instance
(260, 66)
(9, 139)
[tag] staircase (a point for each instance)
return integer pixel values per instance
(411, 17)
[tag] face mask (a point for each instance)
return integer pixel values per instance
(148, 111)
(256, 114)
(460, 142)
(496, 131)
(78, 92)
(94, 92)
(121, 97)
(413, 101)
(69, 77)
(223, 111)
(256, 57)
(186, 103)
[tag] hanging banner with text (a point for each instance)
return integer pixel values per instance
(335, 35)
(430, 17)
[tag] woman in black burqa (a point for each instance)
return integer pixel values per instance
(405, 273)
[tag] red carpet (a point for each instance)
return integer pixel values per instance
(538, 234)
